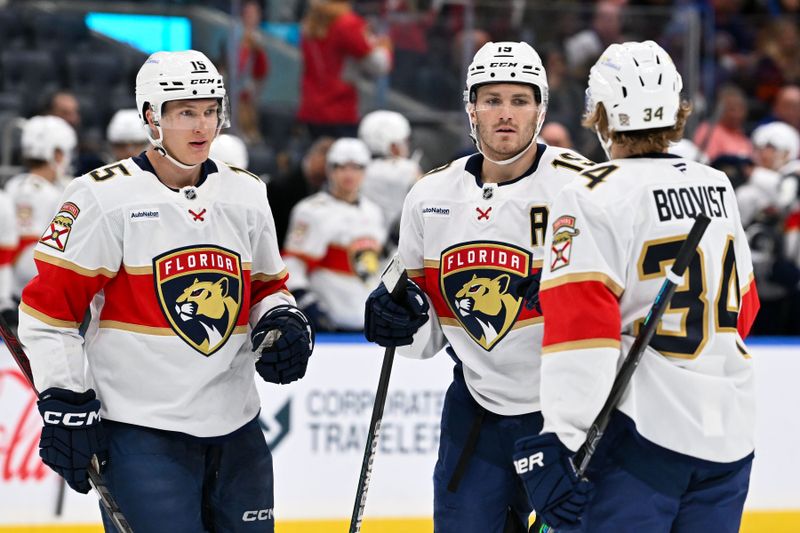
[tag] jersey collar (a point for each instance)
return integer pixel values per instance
(655, 155)
(475, 162)
(208, 167)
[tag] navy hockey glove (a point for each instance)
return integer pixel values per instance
(307, 302)
(390, 323)
(544, 464)
(72, 434)
(285, 340)
(527, 288)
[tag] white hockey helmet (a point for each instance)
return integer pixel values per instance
(637, 84)
(507, 62)
(230, 149)
(381, 129)
(348, 150)
(780, 136)
(43, 135)
(185, 75)
(126, 127)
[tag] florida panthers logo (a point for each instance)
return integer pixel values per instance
(475, 280)
(200, 291)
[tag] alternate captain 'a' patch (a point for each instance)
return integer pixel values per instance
(57, 233)
(475, 279)
(200, 292)
(564, 231)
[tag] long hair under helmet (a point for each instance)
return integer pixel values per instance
(168, 76)
(639, 87)
(506, 62)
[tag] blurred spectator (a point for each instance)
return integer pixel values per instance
(725, 136)
(63, 104)
(334, 243)
(47, 146)
(786, 107)
(408, 28)
(9, 242)
(390, 174)
(230, 149)
(126, 135)
(253, 70)
(565, 103)
(779, 61)
(555, 134)
(286, 191)
(584, 48)
(337, 47)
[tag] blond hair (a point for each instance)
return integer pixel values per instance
(640, 141)
(320, 15)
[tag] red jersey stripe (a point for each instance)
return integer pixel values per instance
(792, 222)
(62, 293)
(132, 299)
(580, 311)
(7, 255)
(748, 309)
(260, 289)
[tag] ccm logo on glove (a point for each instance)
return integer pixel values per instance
(71, 419)
(526, 464)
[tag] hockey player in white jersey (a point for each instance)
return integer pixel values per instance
(9, 244)
(472, 236)
(334, 242)
(677, 453)
(177, 257)
(126, 135)
(391, 173)
(47, 143)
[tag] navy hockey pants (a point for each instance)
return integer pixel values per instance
(489, 496)
(173, 483)
(643, 487)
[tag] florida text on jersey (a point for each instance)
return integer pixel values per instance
(466, 243)
(173, 278)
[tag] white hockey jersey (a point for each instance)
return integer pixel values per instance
(333, 249)
(387, 180)
(175, 278)
(9, 243)
(465, 243)
(614, 232)
(35, 200)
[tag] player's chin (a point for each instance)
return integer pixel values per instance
(198, 151)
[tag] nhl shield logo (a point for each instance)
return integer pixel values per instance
(475, 279)
(200, 292)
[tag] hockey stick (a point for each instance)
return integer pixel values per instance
(95, 478)
(394, 279)
(674, 278)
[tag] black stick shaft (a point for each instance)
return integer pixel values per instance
(95, 479)
(375, 425)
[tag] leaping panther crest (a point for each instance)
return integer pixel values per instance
(487, 303)
(209, 305)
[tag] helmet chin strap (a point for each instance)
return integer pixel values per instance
(475, 139)
(157, 144)
(604, 143)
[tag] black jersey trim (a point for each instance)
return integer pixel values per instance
(208, 167)
(475, 162)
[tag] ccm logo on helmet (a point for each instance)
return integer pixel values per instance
(261, 514)
(201, 81)
(503, 64)
(71, 419)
